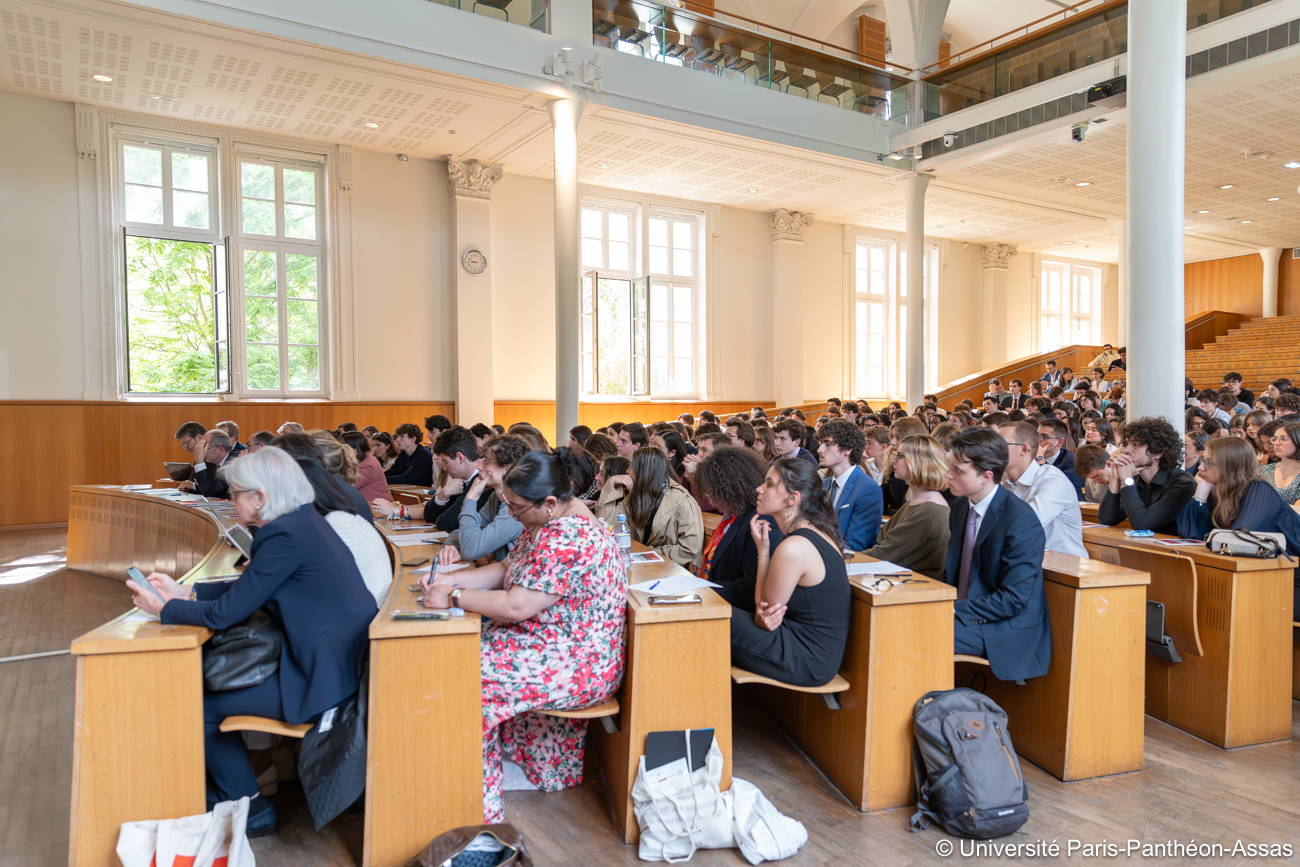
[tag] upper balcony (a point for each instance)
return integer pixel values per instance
(1075, 37)
(534, 14)
(735, 48)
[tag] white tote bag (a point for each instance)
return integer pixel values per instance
(215, 839)
(762, 832)
(680, 811)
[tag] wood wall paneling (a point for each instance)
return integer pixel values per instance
(1235, 285)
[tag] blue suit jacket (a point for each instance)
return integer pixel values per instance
(1064, 461)
(1006, 596)
(306, 578)
(859, 511)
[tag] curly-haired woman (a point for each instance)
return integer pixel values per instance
(730, 476)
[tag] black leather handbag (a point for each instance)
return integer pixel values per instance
(243, 655)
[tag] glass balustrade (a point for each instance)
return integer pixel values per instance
(753, 54)
(1085, 34)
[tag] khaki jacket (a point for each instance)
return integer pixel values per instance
(678, 530)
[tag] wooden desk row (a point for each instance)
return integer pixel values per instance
(138, 743)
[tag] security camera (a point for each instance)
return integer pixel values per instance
(404, 158)
(1078, 131)
(949, 139)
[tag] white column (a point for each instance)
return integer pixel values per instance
(470, 184)
(1156, 141)
(565, 114)
(996, 257)
(1121, 323)
(914, 188)
(787, 306)
(1270, 255)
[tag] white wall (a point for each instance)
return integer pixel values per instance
(523, 288)
(401, 226)
(1020, 307)
(823, 292)
(961, 305)
(742, 277)
(40, 272)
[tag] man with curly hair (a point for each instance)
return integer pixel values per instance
(855, 497)
(1149, 487)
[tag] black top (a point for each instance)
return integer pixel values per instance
(816, 623)
(413, 469)
(735, 560)
(1154, 506)
(447, 516)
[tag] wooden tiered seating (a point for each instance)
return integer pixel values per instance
(1260, 350)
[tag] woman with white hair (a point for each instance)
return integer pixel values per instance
(303, 576)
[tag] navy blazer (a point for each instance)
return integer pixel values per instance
(859, 511)
(807, 456)
(1006, 595)
(209, 483)
(735, 560)
(305, 577)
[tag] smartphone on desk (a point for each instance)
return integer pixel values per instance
(138, 577)
(680, 599)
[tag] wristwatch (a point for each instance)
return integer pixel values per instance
(1128, 483)
(455, 597)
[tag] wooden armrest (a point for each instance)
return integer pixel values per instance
(264, 724)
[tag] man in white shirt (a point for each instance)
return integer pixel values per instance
(1044, 488)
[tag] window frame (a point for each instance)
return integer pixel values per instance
(1066, 311)
(670, 283)
(282, 246)
(869, 298)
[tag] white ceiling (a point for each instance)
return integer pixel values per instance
(233, 78)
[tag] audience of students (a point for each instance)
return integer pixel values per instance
(487, 530)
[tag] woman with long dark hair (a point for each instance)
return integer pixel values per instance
(370, 473)
(1099, 432)
(798, 626)
(1230, 495)
(660, 512)
(671, 444)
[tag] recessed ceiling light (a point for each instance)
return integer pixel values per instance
(1066, 243)
(1203, 212)
(1084, 184)
(370, 124)
(1062, 180)
(893, 213)
(1226, 187)
(988, 230)
(1291, 165)
(102, 77)
(1275, 199)
(154, 96)
(602, 165)
(1247, 221)
(753, 191)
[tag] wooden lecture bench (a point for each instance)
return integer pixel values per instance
(899, 648)
(409, 495)
(143, 758)
(1238, 692)
(1083, 718)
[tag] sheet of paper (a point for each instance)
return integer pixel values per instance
(646, 557)
(1089, 525)
(880, 567)
(399, 527)
(138, 616)
(425, 539)
(1181, 543)
(672, 585)
(137, 487)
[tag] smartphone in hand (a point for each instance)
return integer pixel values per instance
(138, 577)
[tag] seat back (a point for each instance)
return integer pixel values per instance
(1173, 583)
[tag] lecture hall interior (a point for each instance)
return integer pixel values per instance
(708, 293)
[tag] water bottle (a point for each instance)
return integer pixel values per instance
(623, 536)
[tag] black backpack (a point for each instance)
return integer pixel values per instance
(968, 776)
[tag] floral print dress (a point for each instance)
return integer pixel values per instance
(567, 657)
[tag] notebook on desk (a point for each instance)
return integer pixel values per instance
(664, 747)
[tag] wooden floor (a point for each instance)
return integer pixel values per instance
(1189, 790)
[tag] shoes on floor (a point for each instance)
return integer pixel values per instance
(264, 823)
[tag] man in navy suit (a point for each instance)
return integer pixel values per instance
(856, 498)
(995, 560)
(788, 434)
(1051, 450)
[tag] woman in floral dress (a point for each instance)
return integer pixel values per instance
(554, 629)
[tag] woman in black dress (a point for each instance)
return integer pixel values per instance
(796, 627)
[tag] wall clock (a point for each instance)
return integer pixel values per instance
(474, 262)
